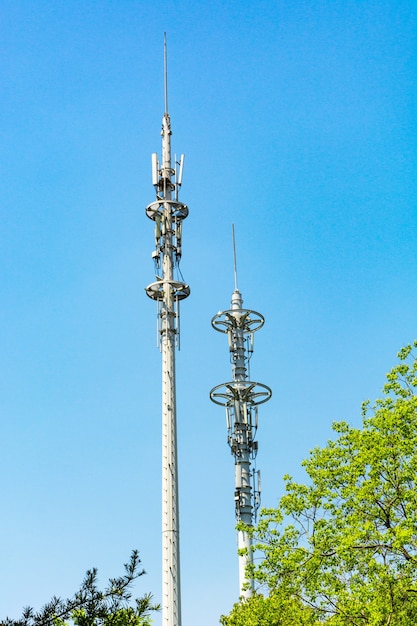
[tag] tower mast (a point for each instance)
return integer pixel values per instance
(168, 213)
(241, 398)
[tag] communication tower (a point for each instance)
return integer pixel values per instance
(168, 290)
(241, 398)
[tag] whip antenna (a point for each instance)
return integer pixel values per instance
(234, 257)
(165, 74)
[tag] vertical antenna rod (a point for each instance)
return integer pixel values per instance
(165, 74)
(234, 256)
(168, 214)
(241, 398)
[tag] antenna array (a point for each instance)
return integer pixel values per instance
(241, 398)
(168, 290)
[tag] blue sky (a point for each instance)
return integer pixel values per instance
(298, 122)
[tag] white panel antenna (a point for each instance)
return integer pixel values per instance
(181, 164)
(155, 169)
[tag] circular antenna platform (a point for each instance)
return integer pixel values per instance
(155, 209)
(244, 319)
(245, 391)
(180, 291)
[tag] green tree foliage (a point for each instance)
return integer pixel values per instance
(273, 610)
(91, 607)
(343, 547)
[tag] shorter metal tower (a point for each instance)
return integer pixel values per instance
(241, 398)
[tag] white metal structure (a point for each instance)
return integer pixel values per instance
(168, 213)
(241, 398)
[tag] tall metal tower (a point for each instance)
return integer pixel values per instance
(168, 290)
(241, 398)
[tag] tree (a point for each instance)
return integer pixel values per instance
(272, 610)
(345, 544)
(91, 607)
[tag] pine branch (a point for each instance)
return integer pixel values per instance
(97, 605)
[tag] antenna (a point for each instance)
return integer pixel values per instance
(155, 168)
(165, 74)
(168, 213)
(241, 398)
(234, 256)
(181, 164)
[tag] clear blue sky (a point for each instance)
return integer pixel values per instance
(298, 121)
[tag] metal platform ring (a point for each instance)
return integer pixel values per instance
(228, 396)
(221, 319)
(179, 210)
(155, 291)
